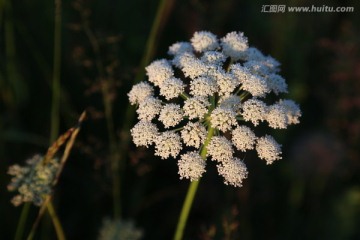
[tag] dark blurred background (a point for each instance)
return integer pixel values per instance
(312, 193)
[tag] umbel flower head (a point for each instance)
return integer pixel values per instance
(206, 101)
(32, 181)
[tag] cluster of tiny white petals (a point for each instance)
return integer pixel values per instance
(257, 67)
(277, 84)
(158, 71)
(149, 108)
(268, 149)
(32, 181)
(167, 144)
(233, 102)
(140, 92)
(213, 57)
(191, 166)
(196, 107)
(193, 134)
(234, 44)
(191, 66)
(144, 133)
(223, 118)
(254, 110)
(220, 149)
(276, 116)
(171, 114)
(253, 53)
(272, 64)
(241, 73)
(293, 112)
(233, 171)
(172, 88)
(203, 86)
(203, 96)
(256, 85)
(119, 229)
(204, 41)
(243, 138)
(263, 67)
(180, 48)
(226, 82)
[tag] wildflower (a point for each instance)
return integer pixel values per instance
(191, 66)
(232, 101)
(193, 134)
(149, 108)
(223, 118)
(170, 115)
(243, 138)
(213, 92)
(167, 144)
(159, 71)
(196, 107)
(213, 57)
(180, 48)
(268, 149)
(191, 166)
(144, 133)
(292, 110)
(171, 88)
(225, 81)
(234, 44)
(220, 148)
(203, 86)
(119, 229)
(204, 41)
(32, 181)
(140, 92)
(234, 172)
(276, 116)
(277, 83)
(254, 110)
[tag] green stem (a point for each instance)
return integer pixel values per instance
(162, 11)
(55, 108)
(184, 96)
(191, 193)
(160, 19)
(185, 210)
(57, 225)
(21, 225)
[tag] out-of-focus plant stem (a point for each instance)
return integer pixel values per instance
(73, 132)
(10, 52)
(163, 11)
(22, 221)
(57, 224)
(55, 106)
(106, 85)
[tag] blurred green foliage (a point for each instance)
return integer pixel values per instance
(312, 193)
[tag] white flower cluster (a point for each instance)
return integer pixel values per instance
(210, 87)
(119, 229)
(32, 181)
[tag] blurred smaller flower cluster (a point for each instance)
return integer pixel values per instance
(32, 181)
(119, 229)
